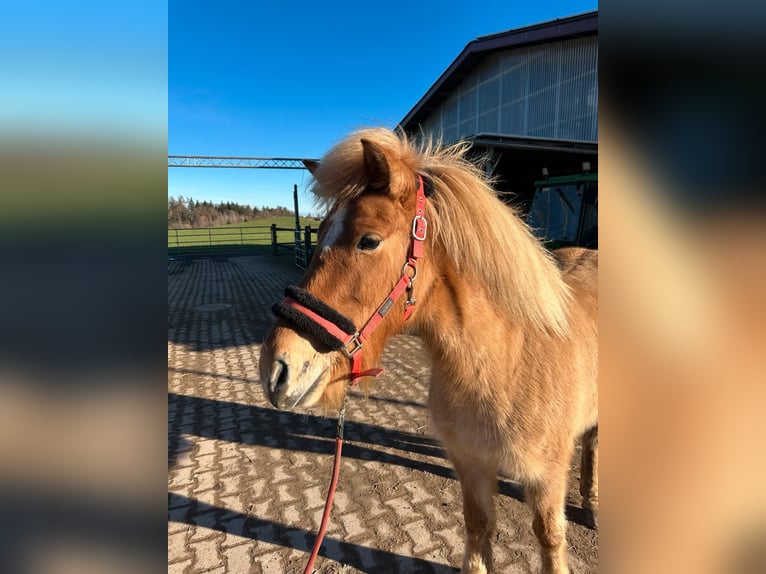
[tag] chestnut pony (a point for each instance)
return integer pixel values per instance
(511, 328)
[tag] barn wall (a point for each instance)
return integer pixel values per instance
(543, 91)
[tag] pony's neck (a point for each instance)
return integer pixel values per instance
(465, 332)
(475, 233)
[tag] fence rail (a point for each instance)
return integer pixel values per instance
(243, 240)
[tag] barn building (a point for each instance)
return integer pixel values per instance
(527, 97)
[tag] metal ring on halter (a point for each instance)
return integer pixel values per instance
(411, 265)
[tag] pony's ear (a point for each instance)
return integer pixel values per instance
(376, 164)
(311, 165)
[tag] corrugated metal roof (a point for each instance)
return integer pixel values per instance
(476, 50)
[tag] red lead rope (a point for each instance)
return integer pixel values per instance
(353, 343)
(330, 493)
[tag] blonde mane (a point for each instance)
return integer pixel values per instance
(470, 227)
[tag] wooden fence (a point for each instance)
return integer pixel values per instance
(243, 240)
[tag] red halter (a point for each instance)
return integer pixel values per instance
(353, 343)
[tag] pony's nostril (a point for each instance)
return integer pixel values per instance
(279, 374)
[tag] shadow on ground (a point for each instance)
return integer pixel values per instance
(357, 556)
(266, 427)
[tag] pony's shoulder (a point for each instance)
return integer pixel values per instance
(570, 259)
(579, 269)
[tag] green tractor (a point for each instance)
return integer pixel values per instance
(564, 211)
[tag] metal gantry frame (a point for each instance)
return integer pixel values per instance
(235, 161)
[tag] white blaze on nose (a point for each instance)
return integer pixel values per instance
(334, 229)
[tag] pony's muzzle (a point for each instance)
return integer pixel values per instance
(292, 371)
(278, 377)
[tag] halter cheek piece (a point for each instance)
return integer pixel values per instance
(338, 333)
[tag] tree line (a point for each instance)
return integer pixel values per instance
(187, 213)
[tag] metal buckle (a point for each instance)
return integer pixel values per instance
(415, 228)
(357, 345)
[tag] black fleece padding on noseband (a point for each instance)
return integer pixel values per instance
(320, 308)
(307, 325)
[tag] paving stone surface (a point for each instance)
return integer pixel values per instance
(247, 483)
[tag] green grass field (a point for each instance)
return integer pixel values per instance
(255, 232)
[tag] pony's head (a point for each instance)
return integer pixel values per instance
(368, 183)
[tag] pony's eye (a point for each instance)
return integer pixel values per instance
(368, 243)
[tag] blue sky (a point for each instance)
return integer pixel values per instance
(84, 69)
(290, 79)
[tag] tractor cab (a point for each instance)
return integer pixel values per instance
(564, 211)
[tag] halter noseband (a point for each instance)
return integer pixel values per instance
(337, 332)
